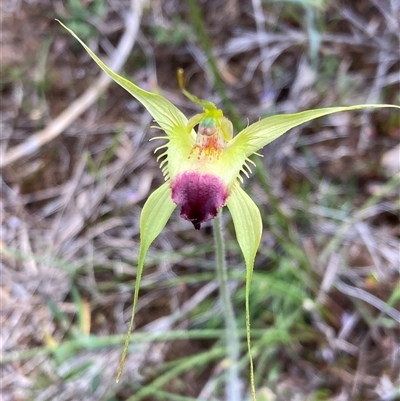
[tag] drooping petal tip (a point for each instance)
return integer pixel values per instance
(199, 196)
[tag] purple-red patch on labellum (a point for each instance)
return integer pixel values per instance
(199, 195)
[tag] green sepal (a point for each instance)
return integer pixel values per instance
(170, 119)
(156, 212)
(261, 133)
(248, 227)
(207, 105)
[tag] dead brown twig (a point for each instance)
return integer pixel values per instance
(80, 105)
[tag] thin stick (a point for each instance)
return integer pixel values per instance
(232, 388)
(80, 105)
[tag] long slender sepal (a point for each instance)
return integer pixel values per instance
(248, 226)
(170, 118)
(156, 212)
(207, 105)
(261, 133)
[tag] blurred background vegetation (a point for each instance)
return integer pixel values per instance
(325, 295)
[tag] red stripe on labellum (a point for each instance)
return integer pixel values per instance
(199, 195)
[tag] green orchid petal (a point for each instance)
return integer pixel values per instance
(248, 227)
(193, 121)
(170, 119)
(261, 133)
(156, 212)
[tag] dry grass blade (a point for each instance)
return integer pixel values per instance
(89, 97)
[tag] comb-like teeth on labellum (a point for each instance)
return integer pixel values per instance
(199, 189)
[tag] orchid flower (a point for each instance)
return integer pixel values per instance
(203, 171)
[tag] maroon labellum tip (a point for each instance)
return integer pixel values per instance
(199, 195)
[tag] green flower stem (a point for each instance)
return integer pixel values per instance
(232, 388)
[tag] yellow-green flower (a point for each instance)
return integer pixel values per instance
(203, 169)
